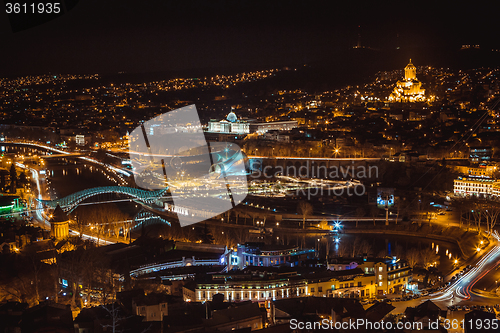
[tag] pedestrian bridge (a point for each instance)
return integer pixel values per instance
(70, 202)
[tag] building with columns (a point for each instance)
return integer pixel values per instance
(233, 125)
(59, 224)
(260, 284)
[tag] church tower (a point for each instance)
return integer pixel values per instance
(409, 89)
(410, 72)
(59, 224)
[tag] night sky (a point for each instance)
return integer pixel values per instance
(109, 36)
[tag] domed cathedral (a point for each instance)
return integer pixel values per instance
(409, 89)
(59, 224)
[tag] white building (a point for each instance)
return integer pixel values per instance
(479, 186)
(233, 125)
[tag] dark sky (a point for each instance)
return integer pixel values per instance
(108, 36)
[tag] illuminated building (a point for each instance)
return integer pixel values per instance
(391, 274)
(229, 125)
(387, 275)
(409, 89)
(480, 154)
(260, 284)
(481, 170)
(476, 186)
(59, 224)
(260, 254)
(233, 125)
(8, 203)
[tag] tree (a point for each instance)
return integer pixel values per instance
(343, 249)
(78, 223)
(374, 211)
(206, 236)
(253, 215)
(491, 212)
(428, 258)
(412, 256)
(101, 220)
(360, 212)
(359, 246)
(13, 178)
(240, 235)
(305, 209)
(22, 178)
(222, 236)
(118, 318)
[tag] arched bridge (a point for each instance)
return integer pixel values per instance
(71, 201)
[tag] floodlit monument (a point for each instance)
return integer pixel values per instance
(409, 89)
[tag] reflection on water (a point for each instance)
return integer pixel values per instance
(71, 176)
(378, 245)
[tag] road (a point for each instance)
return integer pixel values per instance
(462, 291)
(43, 193)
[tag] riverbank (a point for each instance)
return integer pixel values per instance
(467, 241)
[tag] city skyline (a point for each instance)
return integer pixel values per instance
(237, 166)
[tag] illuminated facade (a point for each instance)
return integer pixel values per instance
(390, 275)
(233, 125)
(259, 254)
(476, 186)
(229, 125)
(371, 278)
(382, 276)
(59, 224)
(409, 89)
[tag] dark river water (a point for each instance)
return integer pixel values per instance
(379, 245)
